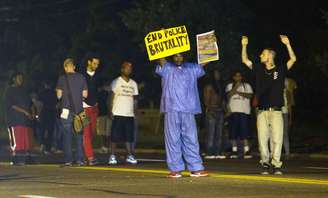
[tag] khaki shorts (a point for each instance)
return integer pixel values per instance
(104, 125)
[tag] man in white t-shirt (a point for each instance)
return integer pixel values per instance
(239, 95)
(122, 107)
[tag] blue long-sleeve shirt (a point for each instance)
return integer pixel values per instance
(179, 87)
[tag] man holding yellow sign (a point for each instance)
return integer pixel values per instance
(179, 103)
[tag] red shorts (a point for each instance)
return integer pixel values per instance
(20, 138)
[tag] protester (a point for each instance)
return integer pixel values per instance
(123, 111)
(71, 89)
(104, 124)
(19, 116)
(90, 105)
(179, 103)
(269, 91)
(239, 94)
(47, 116)
(287, 110)
(214, 107)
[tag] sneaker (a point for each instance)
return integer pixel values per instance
(220, 157)
(67, 164)
(131, 160)
(112, 160)
(234, 155)
(80, 163)
(46, 152)
(247, 155)
(201, 173)
(209, 157)
(174, 175)
(265, 169)
(14, 163)
(93, 162)
(277, 171)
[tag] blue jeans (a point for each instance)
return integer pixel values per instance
(68, 134)
(214, 131)
(58, 134)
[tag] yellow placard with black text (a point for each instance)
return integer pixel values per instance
(167, 42)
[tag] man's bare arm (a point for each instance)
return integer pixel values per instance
(207, 96)
(21, 110)
(233, 90)
(292, 56)
(245, 95)
(85, 93)
(244, 55)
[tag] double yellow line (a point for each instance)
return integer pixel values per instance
(216, 175)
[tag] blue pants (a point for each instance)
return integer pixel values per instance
(58, 134)
(68, 134)
(214, 130)
(181, 142)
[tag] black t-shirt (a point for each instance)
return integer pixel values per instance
(92, 89)
(77, 84)
(270, 85)
(17, 96)
(48, 99)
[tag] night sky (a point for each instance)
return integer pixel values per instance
(36, 35)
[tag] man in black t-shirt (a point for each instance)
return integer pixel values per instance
(269, 91)
(18, 109)
(74, 84)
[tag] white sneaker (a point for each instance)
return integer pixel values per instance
(220, 157)
(112, 160)
(209, 157)
(131, 160)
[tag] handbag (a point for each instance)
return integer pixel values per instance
(81, 119)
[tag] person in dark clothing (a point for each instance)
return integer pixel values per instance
(214, 107)
(71, 84)
(90, 105)
(47, 115)
(19, 116)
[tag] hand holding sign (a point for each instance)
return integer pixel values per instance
(166, 42)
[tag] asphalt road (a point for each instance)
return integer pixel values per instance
(306, 178)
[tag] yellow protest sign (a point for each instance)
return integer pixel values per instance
(167, 42)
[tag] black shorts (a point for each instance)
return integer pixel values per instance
(239, 124)
(122, 129)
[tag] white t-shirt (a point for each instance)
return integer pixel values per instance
(124, 92)
(237, 103)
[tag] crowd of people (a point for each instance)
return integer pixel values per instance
(48, 115)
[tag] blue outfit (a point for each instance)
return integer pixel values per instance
(180, 102)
